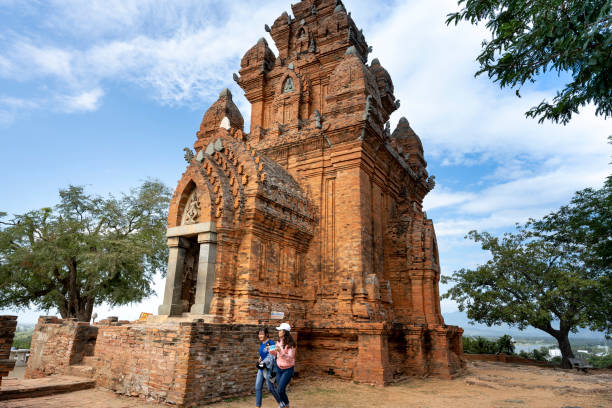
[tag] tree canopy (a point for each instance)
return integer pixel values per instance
(85, 251)
(531, 37)
(553, 271)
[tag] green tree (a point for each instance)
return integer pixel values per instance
(600, 362)
(505, 345)
(481, 345)
(85, 251)
(478, 345)
(537, 354)
(531, 37)
(557, 269)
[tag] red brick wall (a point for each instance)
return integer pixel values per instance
(328, 352)
(8, 325)
(57, 344)
(379, 354)
(503, 358)
(177, 362)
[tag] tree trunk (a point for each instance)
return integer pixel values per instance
(85, 309)
(73, 291)
(562, 339)
(566, 349)
(63, 311)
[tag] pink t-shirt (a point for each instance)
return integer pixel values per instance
(285, 356)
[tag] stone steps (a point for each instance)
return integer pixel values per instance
(55, 384)
(81, 370)
(86, 368)
(89, 360)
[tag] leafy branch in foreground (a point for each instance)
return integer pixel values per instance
(532, 37)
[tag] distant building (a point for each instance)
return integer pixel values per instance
(19, 356)
(583, 351)
(554, 352)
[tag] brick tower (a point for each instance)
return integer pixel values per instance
(316, 213)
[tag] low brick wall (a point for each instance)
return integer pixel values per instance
(8, 324)
(503, 358)
(57, 344)
(183, 362)
(179, 363)
(381, 354)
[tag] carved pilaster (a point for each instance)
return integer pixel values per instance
(206, 271)
(415, 356)
(172, 305)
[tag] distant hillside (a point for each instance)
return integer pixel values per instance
(477, 329)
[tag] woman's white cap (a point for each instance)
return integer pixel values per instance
(284, 326)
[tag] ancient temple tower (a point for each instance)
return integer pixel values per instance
(314, 213)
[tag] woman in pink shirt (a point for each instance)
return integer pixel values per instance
(285, 360)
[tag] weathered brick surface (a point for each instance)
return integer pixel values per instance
(57, 344)
(317, 213)
(319, 206)
(176, 362)
(8, 324)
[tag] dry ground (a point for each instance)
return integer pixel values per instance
(485, 385)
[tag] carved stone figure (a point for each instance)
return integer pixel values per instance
(192, 209)
(288, 85)
(318, 118)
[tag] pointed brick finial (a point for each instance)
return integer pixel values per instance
(225, 94)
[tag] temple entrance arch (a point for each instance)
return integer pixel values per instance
(191, 269)
(192, 257)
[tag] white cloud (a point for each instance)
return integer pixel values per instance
(82, 102)
(10, 108)
(5, 66)
(184, 53)
(16, 103)
(504, 204)
(465, 120)
(442, 197)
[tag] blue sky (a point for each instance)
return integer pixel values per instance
(106, 93)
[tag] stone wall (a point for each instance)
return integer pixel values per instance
(57, 344)
(330, 352)
(184, 360)
(380, 354)
(176, 362)
(8, 324)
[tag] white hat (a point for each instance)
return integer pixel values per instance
(284, 326)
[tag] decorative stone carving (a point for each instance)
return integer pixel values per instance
(188, 155)
(192, 209)
(431, 182)
(288, 87)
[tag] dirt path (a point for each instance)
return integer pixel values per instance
(487, 385)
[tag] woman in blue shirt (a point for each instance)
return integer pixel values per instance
(262, 372)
